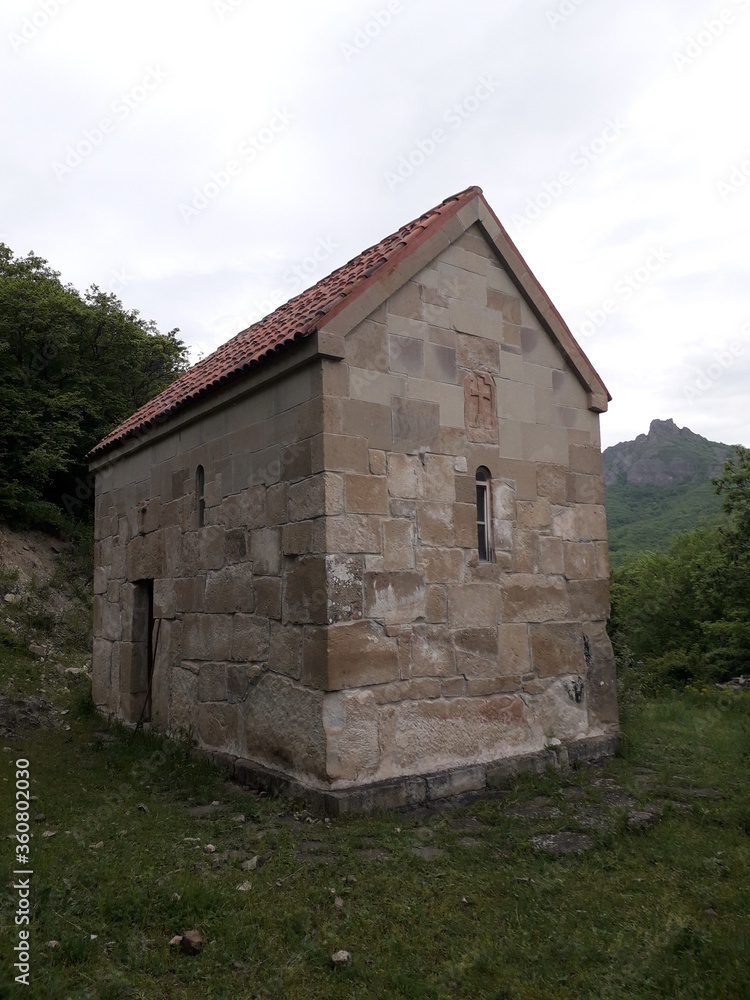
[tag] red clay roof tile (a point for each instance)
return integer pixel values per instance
(296, 319)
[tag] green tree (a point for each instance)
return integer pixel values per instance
(684, 614)
(72, 367)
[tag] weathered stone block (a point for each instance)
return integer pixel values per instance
(557, 648)
(394, 597)
(559, 711)
(438, 479)
(101, 691)
(432, 653)
(377, 462)
(436, 605)
(189, 593)
(229, 590)
(398, 545)
(407, 301)
(545, 443)
(513, 649)
(586, 459)
(458, 782)
(416, 423)
(265, 551)
(440, 363)
(344, 583)
(457, 283)
(580, 560)
(584, 489)
(250, 637)
(404, 476)
(406, 355)
(202, 550)
(477, 652)
(235, 545)
(373, 421)
(107, 619)
(350, 721)
(482, 687)
(343, 453)
(183, 701)
(367, 347)
(297, 538)
(295, 461)
(277, 504)
(284, 726)
(525, 551)
(429, 734)
(206, 637)
(591, 522)
(601, 571)
(365, 494)
(477, 354)
(435, 523)
(241, 678)
(411, 690)
(474, 605)
(533, 598)
(589, 599)
(145, 557)
(285, 653)
(533, 514)
(212, 682)
(564, 523)
(267, 597)
(305, 591)
(217, 726)
(358, 654)
(551, 555)
(441, 565)
(466, 489)
(521, 475)
(508, 306)
(354, 533)
(465, 525)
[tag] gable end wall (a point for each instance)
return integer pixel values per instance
(432, 659)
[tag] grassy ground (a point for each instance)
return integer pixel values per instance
(660, 913)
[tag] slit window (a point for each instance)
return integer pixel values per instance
(200, 491)
(484, 520)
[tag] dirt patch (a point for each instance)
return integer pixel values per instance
(31, 553)
(563, 843)
(32, 713)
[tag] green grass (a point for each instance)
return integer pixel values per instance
(490, 919)
(646, 517)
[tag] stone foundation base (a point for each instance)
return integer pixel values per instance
(459, 784)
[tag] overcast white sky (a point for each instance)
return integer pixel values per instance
(208, 159)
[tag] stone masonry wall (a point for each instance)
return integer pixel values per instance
(231, 599)
(432, 659)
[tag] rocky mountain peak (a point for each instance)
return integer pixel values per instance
(667, 454)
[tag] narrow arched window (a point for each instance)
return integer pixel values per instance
(200, 484)
(484, 518)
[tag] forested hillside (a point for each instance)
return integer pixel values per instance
(72, 366)
(658, 485)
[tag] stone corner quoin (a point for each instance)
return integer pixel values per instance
(321, 602)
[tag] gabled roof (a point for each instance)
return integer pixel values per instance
(310, 311)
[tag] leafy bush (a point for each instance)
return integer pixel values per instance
(682, 617)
